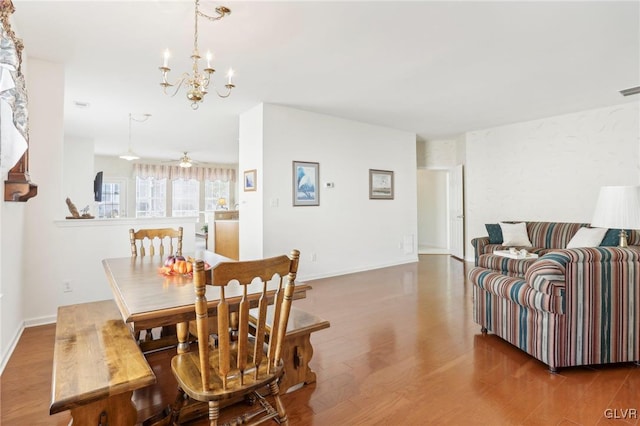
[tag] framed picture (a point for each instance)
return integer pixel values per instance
(250, 180)
(380, 184)
(305, 183)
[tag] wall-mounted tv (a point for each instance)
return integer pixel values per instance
(97, 187)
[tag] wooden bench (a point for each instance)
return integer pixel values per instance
(97, 365)
(297, 350)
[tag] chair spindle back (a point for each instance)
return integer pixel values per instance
(247, 353)
(163, 238)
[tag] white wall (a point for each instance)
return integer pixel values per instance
(78, 173)
(250, 155)
(432, 211)
(12, 224)
(44, 260)
(84, 243)
(549, 169)
(347, 232)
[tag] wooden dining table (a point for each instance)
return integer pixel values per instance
(147, 298)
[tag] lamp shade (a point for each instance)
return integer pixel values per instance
(618, 207)
(129, 156)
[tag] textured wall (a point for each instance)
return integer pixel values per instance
(549, 169)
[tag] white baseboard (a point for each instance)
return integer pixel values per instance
(11, 348)
(352, 271)
(33, 322)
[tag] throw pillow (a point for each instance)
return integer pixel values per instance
(515, 234)
(495, 233)
(612, 238)
(587, 237)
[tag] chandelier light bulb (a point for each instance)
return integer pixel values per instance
(209, 58)
(166, 55)
(230, 75)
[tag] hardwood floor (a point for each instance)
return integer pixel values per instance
(402, 349)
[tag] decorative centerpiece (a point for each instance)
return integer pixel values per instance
(179, 265)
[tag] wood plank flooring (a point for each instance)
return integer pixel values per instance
(402, 350)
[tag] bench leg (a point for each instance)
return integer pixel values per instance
(115, 410)
(297, 353)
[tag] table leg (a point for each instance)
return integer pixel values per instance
(182, 329)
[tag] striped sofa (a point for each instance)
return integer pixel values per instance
(545, 237)
(570, 307)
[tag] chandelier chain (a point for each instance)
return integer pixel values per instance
(195, 32)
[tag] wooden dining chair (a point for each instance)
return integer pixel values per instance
(156, 240)
(243, 365)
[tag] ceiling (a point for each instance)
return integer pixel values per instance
(437, 69)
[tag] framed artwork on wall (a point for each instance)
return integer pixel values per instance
(250, 180)
(306, 176)
(380, 184)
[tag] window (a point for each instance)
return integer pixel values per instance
(151, 197)
(213, 192)
(185, 197)
(110, 207)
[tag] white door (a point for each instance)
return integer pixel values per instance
(456, 212)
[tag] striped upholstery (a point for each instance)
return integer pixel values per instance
(573, 307)
(505, 265)
(633, 239)
(544, 236)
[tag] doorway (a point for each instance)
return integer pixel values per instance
(440, 211)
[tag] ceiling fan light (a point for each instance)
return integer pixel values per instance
(185, 164)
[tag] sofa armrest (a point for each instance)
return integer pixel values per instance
(478, 245)
(514, 289)
(547, 274)
(552, 272)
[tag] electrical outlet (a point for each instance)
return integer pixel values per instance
(313, 257)
(66, 287)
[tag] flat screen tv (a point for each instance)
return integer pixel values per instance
(97, 187)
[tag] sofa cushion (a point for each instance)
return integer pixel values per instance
(505, 265)
(552, 235)
(587, 237)
(495, 233)
(612, 238)
(515, 234)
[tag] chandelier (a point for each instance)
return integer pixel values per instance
(197, 82)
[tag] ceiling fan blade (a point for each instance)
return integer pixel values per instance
(630, 91)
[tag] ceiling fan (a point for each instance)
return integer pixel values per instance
(185, 161)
